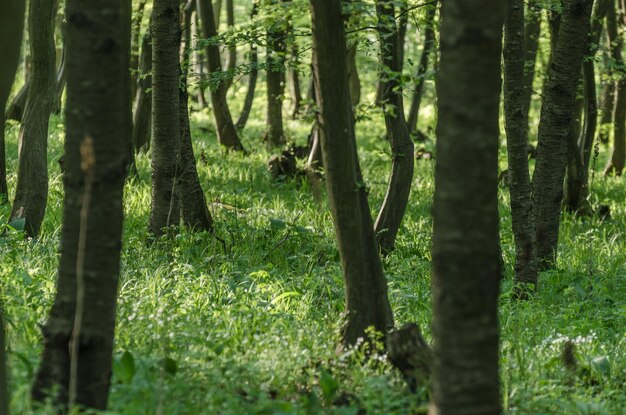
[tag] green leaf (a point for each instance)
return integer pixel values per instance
(601, 364)
(19, 224)
(169, 366)
(329, 386)
(124, 367)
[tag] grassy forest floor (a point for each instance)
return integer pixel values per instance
(253, 328)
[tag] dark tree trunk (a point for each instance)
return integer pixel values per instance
(226, 132)
(230, 65)
(422, 67)
(365, 286)
(134, 45)
(11, 27)
(194, 211)
(15, 110)
(275, 62)
(532, 31)
(197, 61)
(97, 134)
(516, 125)
(142, 113)
(556, 116)
(616, 41)
(31, 192)
(353, 75)
(393, 208)
(252, 78)
(573, 186)
(165, 145)
(294, 80)
(466, 264)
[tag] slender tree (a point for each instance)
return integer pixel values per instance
(253, 74)
(293, 75)
(532, 32)
(31, 192)
(135, 42)
(11, 26)
(556, 116)
(397, 196)
(275, 63)
(365, 286)
(78, 336)
(230, 63)
(142, 110)
(226, 132)
(517, 143)
(466, 266)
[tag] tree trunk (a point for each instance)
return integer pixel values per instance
(353, 75)
(365, 286)
(82, 318)
(31, 192)
(422, 67)
(397, 196)
(165, 30)
(516, 125)
(142, 113)
(532, 32)
(252, 78)
(197, 61)
(294, 80)
(275, 62)
(194, 211)
(11, 27)
(231, 58)
(217, 13)
(466, 267)
(616, 41)
(573, 195)
(134, 45)
(15, 110)
(607, 105)
(226, 132)
(556, 116)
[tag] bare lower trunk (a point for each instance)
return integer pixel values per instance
(573, 188)
(135, 40)
(31, 192)
(275, 61)
(294, 81)
(142, 113)
(532, 31)
(15, 110)
(78, 335)
(252, 79)
(556, 116)
(353, 75)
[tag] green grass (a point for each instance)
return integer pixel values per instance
(251, 328)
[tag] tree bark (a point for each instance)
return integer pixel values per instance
(217, 12)
(11, 27)
(397, 196)
(230, 65)
(252, 78)
(226, 132)
(573, 186)
(165, 31)
(353, 75)
(275, 62)
(466, 266)
(365, 286)
(197, 61)
(422, 67)
(31, 191)
(295, 91)
(532, 32)
(607, 105)
(142, 112)
(556, 116)
(134, 45)
(516, 125)
(15, 110)
(97, 136)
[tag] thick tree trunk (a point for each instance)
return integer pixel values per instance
(532, 31)
(516, 125)
(422, 67)
(556, 116)
(365, 286)
(165, 30)
(275, 62)
(142, 112)
(397, 196)
(466, 266)
(11, 27)
(194, 211)
(134, 45)
(226, 132)
(31, 192)
(82, 318)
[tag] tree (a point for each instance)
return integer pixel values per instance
(556, 116)
(532, 32)
(165, 32)
(226, 132)
(78, 336)
(365, 286)
(253, 74)
(31, 192)
(275, 63)
(516, 125)
(134, 45)
(11, 26)
(142, 112)
(466, 268)
(397, 196)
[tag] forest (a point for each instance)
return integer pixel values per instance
(310, 207)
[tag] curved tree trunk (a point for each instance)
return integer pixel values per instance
(397, 196)
(78, 335)
(252, 78)
(365, 286)
(31, 192)
(142, 112)
(11, 27)
(134, 46)
(226, 132)
(516, 125)
(16, 107)
(556, 116)
(466, 270)
(422, 67)
(165, 31)
(532, 32)
(275, 62)
(194, 211)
